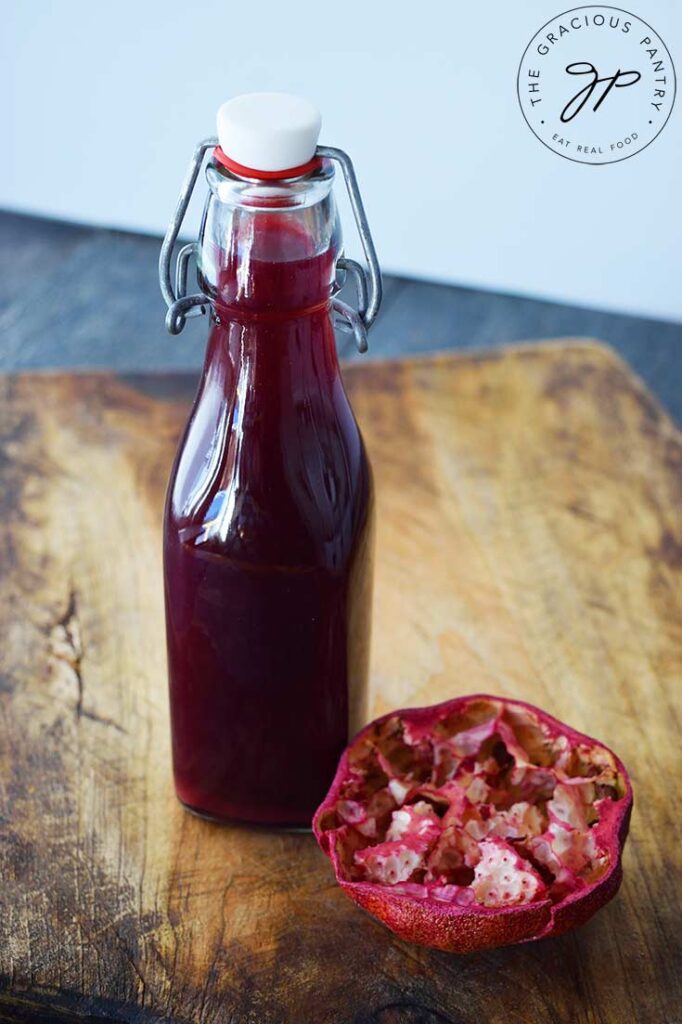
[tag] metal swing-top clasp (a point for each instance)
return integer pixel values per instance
(367, 279)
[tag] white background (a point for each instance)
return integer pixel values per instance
(103, 103)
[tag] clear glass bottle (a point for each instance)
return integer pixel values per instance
(268, 533)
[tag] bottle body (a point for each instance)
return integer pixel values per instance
(268, 537)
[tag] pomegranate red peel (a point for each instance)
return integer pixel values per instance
(476, 823)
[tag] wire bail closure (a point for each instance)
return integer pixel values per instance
(367, 279)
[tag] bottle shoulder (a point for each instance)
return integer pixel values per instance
(291, 485)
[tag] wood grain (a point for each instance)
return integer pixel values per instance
(529, 544)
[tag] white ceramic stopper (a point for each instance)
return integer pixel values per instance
(269, 131)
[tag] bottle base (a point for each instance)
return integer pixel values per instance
(246, 823)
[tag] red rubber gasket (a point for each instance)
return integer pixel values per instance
(251, 172)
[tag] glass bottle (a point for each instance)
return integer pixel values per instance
(268, 531)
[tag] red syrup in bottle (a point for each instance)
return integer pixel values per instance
(268, 537)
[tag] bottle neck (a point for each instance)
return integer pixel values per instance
(268, 263)
(271, 312)
(291, 356)
(268, 250)
(272, 270)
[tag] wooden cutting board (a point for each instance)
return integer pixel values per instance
(529, 544)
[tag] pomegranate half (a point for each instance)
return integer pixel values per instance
(476, 823)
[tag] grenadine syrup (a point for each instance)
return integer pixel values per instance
(268, 528)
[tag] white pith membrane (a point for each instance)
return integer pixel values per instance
(487, 806)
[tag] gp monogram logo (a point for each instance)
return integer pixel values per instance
(596, 84)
